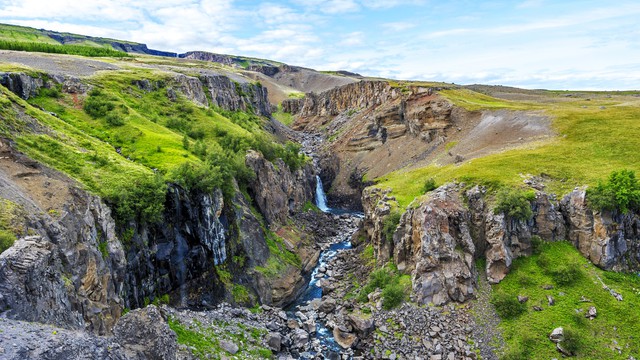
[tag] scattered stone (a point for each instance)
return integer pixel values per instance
(551, 300)
(562, 350)
(274, 341)
(584, 299)
(229, 347)
(547, 287)
(523, 299)
(537, 308)
(557, 335)
(591, 313)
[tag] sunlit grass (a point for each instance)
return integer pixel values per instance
(617, 321)
(592, 139)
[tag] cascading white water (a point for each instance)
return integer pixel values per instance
(321, 197)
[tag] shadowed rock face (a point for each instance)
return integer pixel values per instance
(21, 84)
(437, 240)
(57, 273)
(277, 191)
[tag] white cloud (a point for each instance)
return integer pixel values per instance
(586, 47)
(352, 39)
(398, 26)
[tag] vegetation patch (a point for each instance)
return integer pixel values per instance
(515, 203)
(280, 257)
(82, 50)
(612, 334)
(11, 215)
(204, 340)
(393, 285)
(390, 224)
(593, 139)
(621, 193)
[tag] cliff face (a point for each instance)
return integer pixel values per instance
(221, 90)
(69, 267)
(277, 191)
(371, 128)
(437, 240)
(74, 267)
(178, 256)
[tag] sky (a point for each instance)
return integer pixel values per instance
(590, 45)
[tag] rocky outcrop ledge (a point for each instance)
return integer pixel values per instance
(442, 233)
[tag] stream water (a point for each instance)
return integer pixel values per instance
(313, 291)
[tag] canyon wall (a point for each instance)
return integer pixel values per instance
(438, 237)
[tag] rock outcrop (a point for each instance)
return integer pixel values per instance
(277, 191)
(68, 269)
(438, 239)
(224, 92)
(434, 242)
(21, 84)
(372, 128)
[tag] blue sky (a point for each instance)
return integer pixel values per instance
(527, 43)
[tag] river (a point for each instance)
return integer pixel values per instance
(330, 348)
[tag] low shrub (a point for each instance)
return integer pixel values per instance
(572, 341)
(7, 238)
(114, 120)
(390, 223)
(507, 306)
(515, 203)
(621, 192)
(566, 275)
(429, 185)
(392, 296)
(97, 104)
(142, 199)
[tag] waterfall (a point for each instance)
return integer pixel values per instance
(321, 197)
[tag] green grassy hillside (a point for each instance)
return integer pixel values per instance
(613, 334)
(595, 134)
(119, 135)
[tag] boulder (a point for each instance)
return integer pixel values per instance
(345, 339)
(274, 341)
(145, 334)
(299, 338)
(557, 335)
(327, 305)
(362, 325)
(229, 347)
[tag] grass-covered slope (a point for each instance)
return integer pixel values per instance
(123, 143)
(576, 286)
(596, 133)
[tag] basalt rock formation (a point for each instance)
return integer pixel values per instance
(78, 269)
(373, 128)
(278, 192)
(437, 240)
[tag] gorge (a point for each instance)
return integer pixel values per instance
(174, 208)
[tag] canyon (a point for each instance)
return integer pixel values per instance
(121, 251)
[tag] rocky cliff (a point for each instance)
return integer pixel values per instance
(372, 128)
(440, 235)
(277, 191)
(75, 268)
(69, 267)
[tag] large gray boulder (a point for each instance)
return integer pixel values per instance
(145, 334)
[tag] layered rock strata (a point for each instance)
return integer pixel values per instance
(438, 238)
